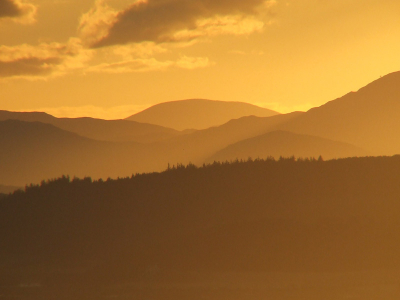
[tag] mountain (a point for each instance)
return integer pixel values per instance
(197, 113)
(33, 151)
(368, 118)
(286, 144)
(201, 144)
(98, 129)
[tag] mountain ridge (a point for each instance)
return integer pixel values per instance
(286, 144)
(98, 129)
(198, 113)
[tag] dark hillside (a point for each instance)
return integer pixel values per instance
(163, 228)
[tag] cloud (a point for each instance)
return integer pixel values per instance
(162, 21)
(95, 24)
(253, 52)
(133, 65)
(46, 59)
(18, 11)
(28, 67)
(150, 64)
(192, 63)
(142, 50)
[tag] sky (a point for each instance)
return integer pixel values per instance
(112, 58)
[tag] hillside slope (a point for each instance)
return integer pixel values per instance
(33, 151)
(255, 230)
(286, 144)
(98, 129)
(368, 118)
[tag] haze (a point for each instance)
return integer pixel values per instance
(199, 149)
(76, 58)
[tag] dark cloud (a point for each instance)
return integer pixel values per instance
(19, 11)
(158, 20)
(28, 67)
(8, 8)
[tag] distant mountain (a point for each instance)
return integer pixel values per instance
(198, 113)
(369, 118)
(98, 129)
(286, 144)
(201, 144)
(32, 151)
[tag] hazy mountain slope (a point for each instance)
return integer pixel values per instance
(103, 130)
(200, 145)
(32, 151)
(33, 116)
(369, 118)
(286, 144)
(197, 113)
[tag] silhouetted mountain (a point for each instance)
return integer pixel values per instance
(32, 151)
(197, 113)
(286, 144)
(102, 130)
(180, 233)
(201, 144)
(369, 118)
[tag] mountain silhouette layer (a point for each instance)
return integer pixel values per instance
(368, 118)
(197, 113)
(33, 151)
(98, 129)
(286, 144)
(200, 145)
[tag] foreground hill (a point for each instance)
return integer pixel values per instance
(103, 130)
(198, 113)
(369, 118)
(256, 230)
(286, 144)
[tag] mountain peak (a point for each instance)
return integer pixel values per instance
(198, 113)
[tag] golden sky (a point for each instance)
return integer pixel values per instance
(112, 58)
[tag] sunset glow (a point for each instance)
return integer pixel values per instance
(95, 58)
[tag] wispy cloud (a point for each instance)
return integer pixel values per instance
(17, 11)
(150, 64)
(135, 37)
(43, 60)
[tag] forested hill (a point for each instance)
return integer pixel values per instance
(262, 215)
